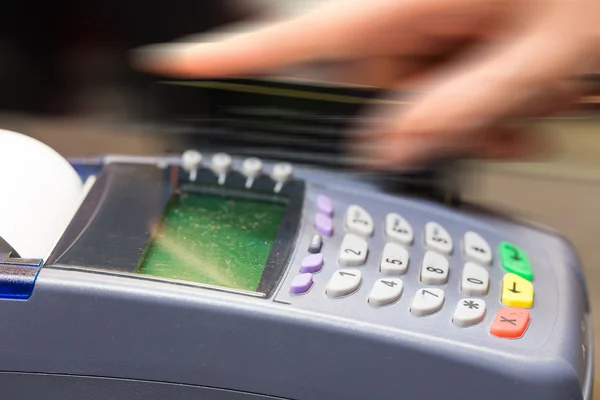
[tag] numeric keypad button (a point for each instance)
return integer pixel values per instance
(386, 291)
(435, 269)
(359, 221)
(437, 238)
(427, 301)
(398, 229)
(353, 251)
(475, 280)
(394, 260)
(343, 282)
(469, 312)
(477, 249)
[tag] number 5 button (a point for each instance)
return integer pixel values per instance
(343, 282)
(386, 291)
(394, 260)
(353, 251)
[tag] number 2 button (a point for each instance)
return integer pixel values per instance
(394, 260)
(353, 251)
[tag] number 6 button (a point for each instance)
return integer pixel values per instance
(353, 251)
(394, 260)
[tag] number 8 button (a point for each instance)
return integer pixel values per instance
(435, 269)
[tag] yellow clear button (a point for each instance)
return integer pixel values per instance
(517, 292)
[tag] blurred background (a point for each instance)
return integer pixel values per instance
(65, 79)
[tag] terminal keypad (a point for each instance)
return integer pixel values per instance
(356, 257)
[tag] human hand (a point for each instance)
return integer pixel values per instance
(505, 60)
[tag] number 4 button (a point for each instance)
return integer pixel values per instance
(386, 291)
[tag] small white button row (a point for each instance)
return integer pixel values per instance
(221, 163)
(359, 221)
(386, 291)
(395, 259)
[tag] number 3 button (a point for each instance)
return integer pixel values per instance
(386, 291)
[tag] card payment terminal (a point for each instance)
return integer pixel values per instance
(218, 277)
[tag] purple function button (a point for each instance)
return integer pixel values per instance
(325, 205)
(312, 263)
(324, 224)
(301, 284)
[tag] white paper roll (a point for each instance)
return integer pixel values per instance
(39, 194)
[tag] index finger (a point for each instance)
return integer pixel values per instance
(340, 29)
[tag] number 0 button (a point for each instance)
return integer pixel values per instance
(353, 251)
(343, 282)
(386, 291)
(394, 260)
(427, 301)
(475, 280)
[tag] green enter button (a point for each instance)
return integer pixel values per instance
(515, 260)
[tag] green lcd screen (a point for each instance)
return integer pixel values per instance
(213, 239)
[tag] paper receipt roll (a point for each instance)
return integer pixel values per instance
(39, 194)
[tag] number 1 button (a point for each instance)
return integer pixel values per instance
(386, 291)
(353, 251)
(343, 282)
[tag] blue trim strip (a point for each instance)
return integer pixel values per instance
(18, 277)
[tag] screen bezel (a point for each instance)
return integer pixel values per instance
(112, 192)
